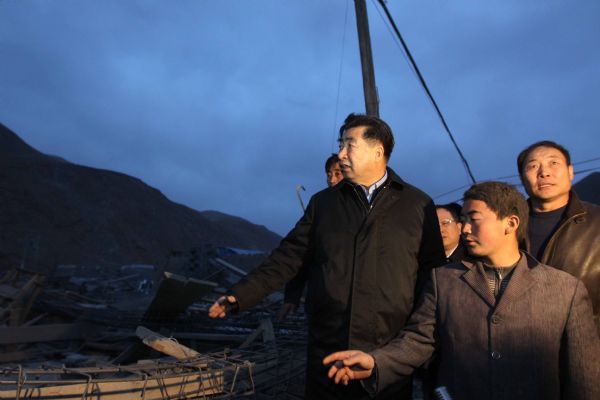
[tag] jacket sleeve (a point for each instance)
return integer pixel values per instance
(295, 287)
(580, 351)
(431, 251)
(286, 261)
(414, 345)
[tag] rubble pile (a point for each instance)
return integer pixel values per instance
(141, 331)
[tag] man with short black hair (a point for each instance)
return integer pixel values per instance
(564, 232)
(505, 327)
(333, 171)
(367, 242)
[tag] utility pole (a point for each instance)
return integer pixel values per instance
(366, 58)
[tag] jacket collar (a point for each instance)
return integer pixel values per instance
(574, 206)
(392, 179)
(574, 209)
(523, 277)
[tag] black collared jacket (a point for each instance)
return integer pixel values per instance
(364, 262)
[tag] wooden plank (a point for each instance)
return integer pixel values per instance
(231, 267)
(43, 333)
(165, 345)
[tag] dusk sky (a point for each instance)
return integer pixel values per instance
(229, 105)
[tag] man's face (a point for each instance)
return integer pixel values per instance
(450, 229)
(483, 234)
(334, 175)
(359, 158)
(547, 177)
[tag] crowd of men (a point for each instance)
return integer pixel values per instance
(504, 292)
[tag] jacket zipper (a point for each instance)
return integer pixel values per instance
(371, 204)
(367, 212)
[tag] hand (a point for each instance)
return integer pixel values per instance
(220, 307)
(286, 308)
(349, 365)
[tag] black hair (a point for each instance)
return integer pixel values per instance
(544, 143)
(503, 199)
(377, 130)
(452, 208)
(332, 159)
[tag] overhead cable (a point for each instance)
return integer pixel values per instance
(337, 100)
(427, 91)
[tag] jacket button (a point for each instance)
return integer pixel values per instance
(496, 355)
(496, 319)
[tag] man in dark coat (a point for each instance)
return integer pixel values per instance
(506, 327)
(450, 226)
(564, 232)
(367, 243)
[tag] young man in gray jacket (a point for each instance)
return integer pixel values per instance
(506, 327)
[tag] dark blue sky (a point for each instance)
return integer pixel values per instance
(228, 105)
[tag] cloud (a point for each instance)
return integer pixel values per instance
(230, 105)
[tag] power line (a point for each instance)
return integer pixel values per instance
(394, 37)
(586, 170)
(427, 91)
(337, 101)
(587, 161)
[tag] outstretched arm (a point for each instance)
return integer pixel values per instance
(293, 254)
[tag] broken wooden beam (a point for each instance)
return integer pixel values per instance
(164, 344)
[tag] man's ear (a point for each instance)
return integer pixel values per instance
(571, 173)
(512, 224)
(379, 151)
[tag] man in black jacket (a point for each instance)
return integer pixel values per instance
(564, 232)
(368, 243)
(450, 226)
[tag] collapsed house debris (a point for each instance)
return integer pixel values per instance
(187, 375)
(122, 333)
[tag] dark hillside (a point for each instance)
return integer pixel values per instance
(55, 212)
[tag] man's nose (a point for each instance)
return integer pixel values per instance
(342, 153)
(466, 228)
(542, 171)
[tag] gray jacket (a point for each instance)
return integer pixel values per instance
(537, 342)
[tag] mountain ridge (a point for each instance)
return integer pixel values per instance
(57, 212)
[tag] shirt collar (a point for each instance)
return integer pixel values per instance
(371, 189)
